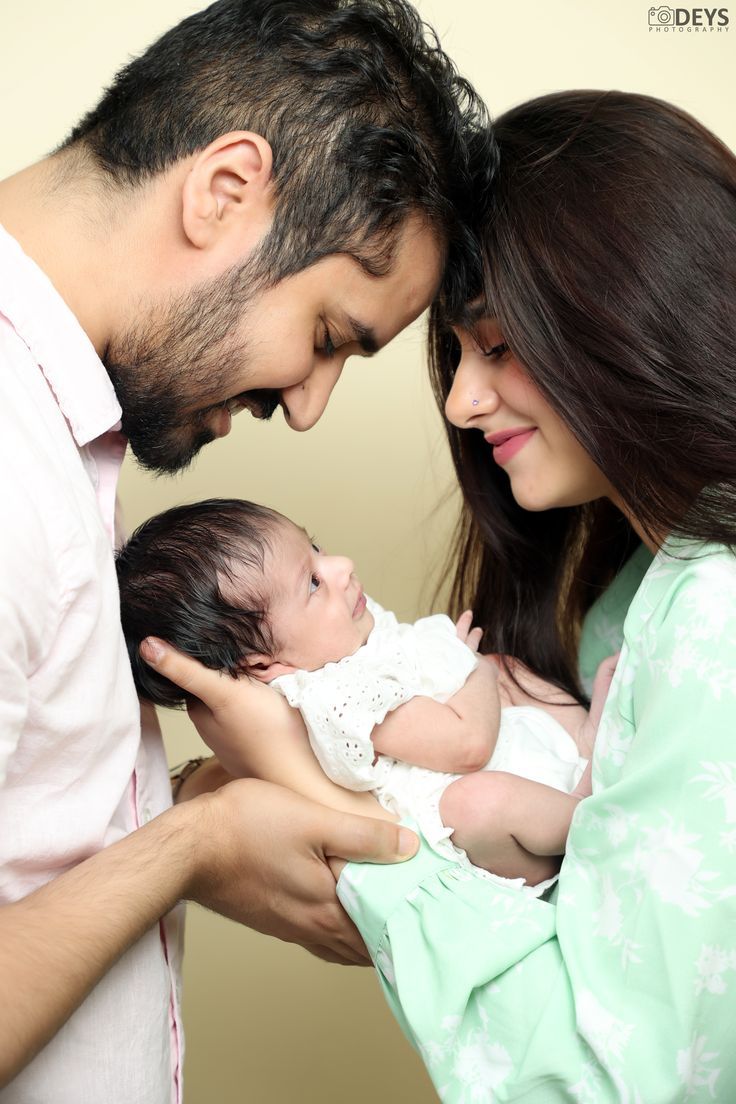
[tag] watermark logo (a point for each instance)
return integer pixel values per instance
(666, 20)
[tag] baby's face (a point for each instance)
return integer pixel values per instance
(317, 608)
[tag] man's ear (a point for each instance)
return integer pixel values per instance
(264, 668)
(228, 191)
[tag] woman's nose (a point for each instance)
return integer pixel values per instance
(472, 395)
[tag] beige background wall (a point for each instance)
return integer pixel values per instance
(267, 1024)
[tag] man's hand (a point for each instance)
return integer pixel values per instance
(262, 855)
(233, 716)
(262, 859)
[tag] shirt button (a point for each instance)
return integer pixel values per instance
(145, 815)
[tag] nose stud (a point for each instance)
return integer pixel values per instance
(475, 402)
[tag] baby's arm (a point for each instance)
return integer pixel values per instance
(457, 737)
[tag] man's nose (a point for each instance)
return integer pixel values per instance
(305, 402)
(472, 395)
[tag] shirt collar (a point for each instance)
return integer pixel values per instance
(57, 342)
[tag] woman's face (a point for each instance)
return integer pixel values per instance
(491, 393)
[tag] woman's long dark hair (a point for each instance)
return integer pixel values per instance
(609, 253)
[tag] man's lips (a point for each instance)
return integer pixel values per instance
(261, 406)
(507, 442)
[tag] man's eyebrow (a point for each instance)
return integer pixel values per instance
(365, 336)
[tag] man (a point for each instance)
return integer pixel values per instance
(275, 185)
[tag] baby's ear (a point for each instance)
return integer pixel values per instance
(265, 668)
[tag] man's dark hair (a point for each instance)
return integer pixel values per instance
(367, 118)
(175, 574)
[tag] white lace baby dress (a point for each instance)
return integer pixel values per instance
(342, 702)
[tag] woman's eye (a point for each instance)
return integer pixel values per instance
(314, 583)
(496, 351)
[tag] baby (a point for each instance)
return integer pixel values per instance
(409, 712)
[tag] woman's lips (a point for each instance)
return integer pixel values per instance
(507, 443)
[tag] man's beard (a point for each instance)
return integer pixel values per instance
(166, 370)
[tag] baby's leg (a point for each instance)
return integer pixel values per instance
(509, 825)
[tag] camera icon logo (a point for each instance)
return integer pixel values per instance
(661, 17)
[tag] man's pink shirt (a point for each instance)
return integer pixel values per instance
(78, 769)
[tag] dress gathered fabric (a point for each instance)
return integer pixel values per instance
(343, 702)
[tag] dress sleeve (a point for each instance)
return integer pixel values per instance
(624, 988)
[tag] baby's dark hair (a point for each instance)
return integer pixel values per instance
(174, 574)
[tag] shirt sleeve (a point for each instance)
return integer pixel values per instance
(624, 988)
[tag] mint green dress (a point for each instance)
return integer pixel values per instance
(623, 987)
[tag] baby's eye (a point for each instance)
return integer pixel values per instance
(316, 548)
(314, 583)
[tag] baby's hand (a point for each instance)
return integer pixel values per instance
(465, 631)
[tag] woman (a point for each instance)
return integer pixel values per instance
(592, 396)
(591, 387)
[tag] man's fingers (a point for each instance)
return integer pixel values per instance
(362, 839)
(191, 675)
(327, 954)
